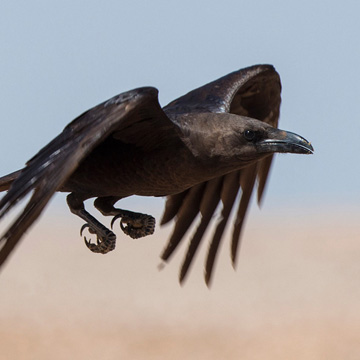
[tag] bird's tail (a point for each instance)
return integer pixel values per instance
(7, 180)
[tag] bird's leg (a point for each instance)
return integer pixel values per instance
(136, 225)
(105, 239)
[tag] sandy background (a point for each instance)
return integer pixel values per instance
(294, 295)
(296, 291)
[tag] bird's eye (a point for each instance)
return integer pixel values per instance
(249, 135)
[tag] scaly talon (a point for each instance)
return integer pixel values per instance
(104, 242)
(135, 225)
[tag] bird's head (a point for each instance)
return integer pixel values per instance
(239, 140)
(252, 137)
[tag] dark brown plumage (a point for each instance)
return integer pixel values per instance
(199, 151)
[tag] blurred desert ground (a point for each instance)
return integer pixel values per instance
(295, 293)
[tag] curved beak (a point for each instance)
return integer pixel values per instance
(285, 142)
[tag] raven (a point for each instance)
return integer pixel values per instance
(199, 150)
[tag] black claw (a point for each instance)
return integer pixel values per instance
(87, 242)
(83, 228)
(114, 219)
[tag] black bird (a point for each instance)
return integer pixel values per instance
(199, 150)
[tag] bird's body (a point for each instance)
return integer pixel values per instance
(119, 174)
(198, 151)
(164, 169)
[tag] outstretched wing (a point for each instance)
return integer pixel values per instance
(252, 92)
(50, 168)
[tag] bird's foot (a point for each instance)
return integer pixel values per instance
(135, 225)
(105, 239)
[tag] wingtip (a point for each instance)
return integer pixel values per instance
(161, 266)
(184, 270)
(260, 198)
(208, 278)
(164, 221)
(260, 68)
(182, 277)
(234, 260)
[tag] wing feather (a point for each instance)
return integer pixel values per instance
(253, 92)
(172, 206)
(47, 171)
(247, 181)
(186, 215)
(209, 202)
(228, 195)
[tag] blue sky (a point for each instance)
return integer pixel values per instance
(59, 58)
